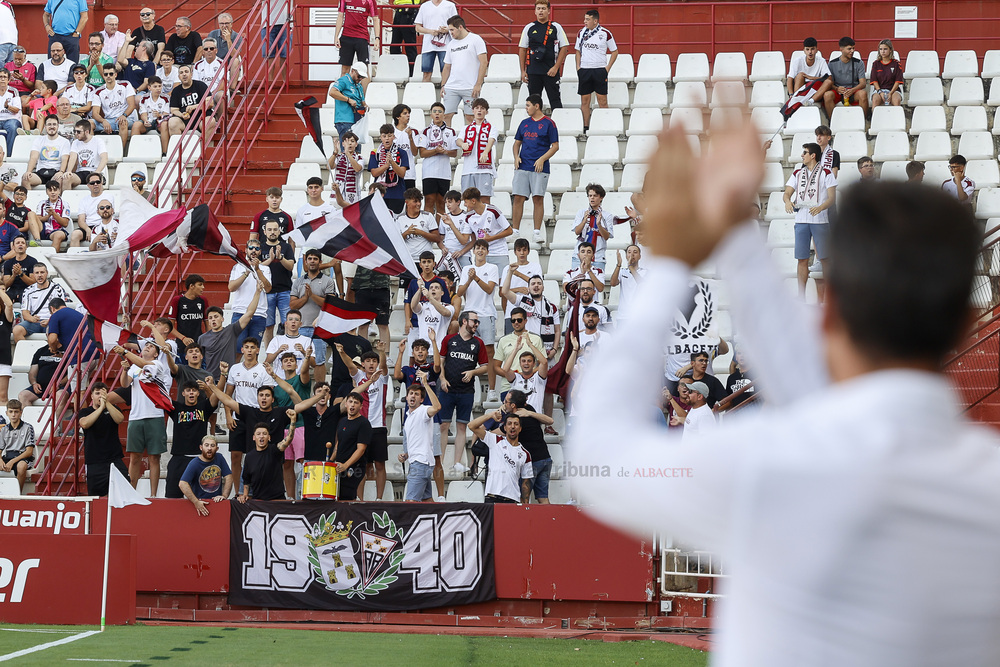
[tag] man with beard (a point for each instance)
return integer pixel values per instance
(207, 477)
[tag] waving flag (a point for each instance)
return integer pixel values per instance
(308, 111)
(141, 224)
(107, 335)
(364, 233)
(800, 96)
(96, 279)
(202, 230)
(339, 316)
(155, 391)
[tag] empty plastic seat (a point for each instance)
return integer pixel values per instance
(503, 67)
(991, 64)
(378, 117)
(568, 153)
(728, 94)
(392, 68)
(795, 152)
(596, 173)
(633, 176)
(976, 145)
(299, 173)
(309, 151)
(516, 116)
(776, 151)
(370, 490)
(382, 95)
(498, 93)
(623, 69)
(891, 146)
(851, 145)
(560, 179)
(806, 119)
(925, 92)
(781, 233)
(936, 172)
(689, 94)
(723, 117)
(767, 94)
(921, 64)
(768, 66)
(638, 149)
(960, 63)
(420, 94)
(848, 119)
(463, 491)
(645, 121)
(767, 119)
(22, 147)
(893, 170)
(123, 179)
(988, 203)
(143, 148)
(730, 66)
(569, 69)
(651, 94)
(927, 119)
(601, 150)
(774, 177)
(889, 119)
(986, 173)
(617, 95)
(653, 67)
(606, 122)
(776, 207)
(691, 67)
(933, 146)
(968, 119)
(966, 90)
(994, 99)
(691, 119)
(569, 121)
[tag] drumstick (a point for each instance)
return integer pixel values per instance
(329, 450)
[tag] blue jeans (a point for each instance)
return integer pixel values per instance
(10, 127)
(6, 53)
(275, 41)
(542, 470)
(253, 330)
(428, 58)
(419, 481)
(278, 303)
(342, 129)
(319, 345)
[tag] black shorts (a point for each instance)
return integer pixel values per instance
(436, 186)
(84, 176)
(7, 458)
(45, 174)
(175, 470)
(98, 475)
(349, 481)
(351, 47)
(493, 498)
(395, 205)
(238, 436)
(378, 449)
(376, 300)
(592, 80)
(409, 183)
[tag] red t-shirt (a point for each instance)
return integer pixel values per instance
(356, 13)
(28, 70)
(886, 74)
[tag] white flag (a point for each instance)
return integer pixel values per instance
(120, 491)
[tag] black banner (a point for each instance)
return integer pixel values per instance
(360, 556)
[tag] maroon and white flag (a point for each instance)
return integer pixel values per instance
(800, 96)
(108, 335)
(200, 230)
(339, 316)
(96, 279)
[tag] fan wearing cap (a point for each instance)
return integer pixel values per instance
(138, 180)
(589, 333)
(350, 98)
(700, 417)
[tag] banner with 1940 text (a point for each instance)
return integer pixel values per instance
(360, 556)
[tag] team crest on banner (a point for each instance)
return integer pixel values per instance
(334, 560)
(696, 317)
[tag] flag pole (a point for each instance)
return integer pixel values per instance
(107, 553)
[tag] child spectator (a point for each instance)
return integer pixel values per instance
(436, 144)
(405, 139)
(41, 103)
(388, 164)
(345, 171)
(54, 216)
(477, 141)
(273, 212)
(188, 310)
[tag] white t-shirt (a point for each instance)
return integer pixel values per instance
(476, 299)
(434, 16)
(508, 466)
(289, 342)
(403, 141)
(169, 80)
(573, 274)
(418, 428)
(12, 98)
(699, 420)
(376, 398)
(627, 284)
(150, 106)
(50, 151)
(594, 51)
(88, 154)
(529, 269)
(451, 242)
(142, 406)
(470, 161)
(416, 244)
(58, 73)
(308, 212)
(432, 136)
(825, 180)
(533, 386)
(606, 220)
(35, 299)
(968, 185)
(239, 299)
(490, 223)
(205, 71)
(604, 315)
(463, 56)
(584, 338)
(246, 381)
(79, 97)
(430, 318)
(114, 101)
(798, 64)
(88, 207)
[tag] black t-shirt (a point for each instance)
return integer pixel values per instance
(267, 215)
(716, 392)
(262, 473)
(47, 363)
(737, 380)
(190, 426)
(460, 355)
(17, 287)
(157, 35)
(190, 315)
(350, 432)
(17, 215)
(181, 97)
(184, 49)
(319, 430)
(101, 443)
(281, 278)
(541, 47)
(276, 419)
(354, 346)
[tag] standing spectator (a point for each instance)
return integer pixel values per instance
(140, 67)
(436, 145)
(594, 225)
(404, 36)
(739, 380)
(959, 185)
(354, 434)
(886, 77)
(22, 74)
(276, 35)
(309, 292)
(80, 93)
(543, 315)
(225, 37)
(351, 34)
(371, 290)
(848, 75)
(809, 192)
(222, 342)
(190, 416)
(114, 39)
(207, 477)
(10, 113)
(511, 471)
(188, 310)
(584, 269)
(63, 325)
(154, 113)
(514, 278)
(418, 439)
(57, 68)
(349, 94)
(808, 65)
(263, 474)
(542, 49)
(96, 59)
(102, 446)
(485, 222)
(419, 228)
(628, 278)
(185, 43)
(456, 244)
(532, 439)
(167, 72)
(87, 155)
(464, 70)
(280, 258)
(319, 418)
(372, 382)
(273, 196)
(149, 30)
(388, 163)
(114, 105)
(831, 157)
(476, 286)
(340, 378)
(146, 429)
(699, 372)
(248, 288)
(243, 385)
(315, 207)
(477, 141)
(462, 357)
(345, 171)
(184, 101)
(405, 139)
(432, 311)
(511, 347)
(432, 23)
(64, 21)
(291, 341)
(536, 140)
(8, 32)
(598, 52)
(18, 271)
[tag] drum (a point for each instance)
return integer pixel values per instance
(319, 480)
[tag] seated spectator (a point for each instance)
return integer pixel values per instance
(22, 74)
(148, 30)
(849, 83)
(17, 271)
(17, 218)
(866, 167)
(225, 37)
(809, 192)
(114, 39)
(57, 68)
(80, 93)
(10, 111)
(41, 372)
(107, 228)
(96, 59)
(185, 43)
(48, 161)
(102, 446)
(114, 105)
(585, 269)
(594, 225)
(184, 101)
(807, 65)
(915, 171)
(139, 67)
(209, 65)
(886, 77)
(88, 155)
(36, 306)
(207, 477)
(67, 119)
(138, 181)
(17, 444)
(959, 185)
(167, 72)
(41, 104)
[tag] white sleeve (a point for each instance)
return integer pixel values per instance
(523, 42)
(480, 46)
(611, 43)
(824, 67)
(527, 471)
(795, 64)
(561, 35)
(579, 40)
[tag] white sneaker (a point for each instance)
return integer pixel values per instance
(459, 468)
(440, 499)
(809, 102)
(816, 266)
(491, 396)
(538, 237)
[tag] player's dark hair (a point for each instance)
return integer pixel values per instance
(193, 280)
(958, 159)
(413, 194)
(814, 149)
(437, 104)
(312, 252)
(356, 396)
(913, 168)
(56, 303)
(273, 191)
(200, 348)
(481, 243)
(154, 79)
(314, 180)
(398, 110)
(593, 13)
(99, 385)
(810, 41)
(845, 41)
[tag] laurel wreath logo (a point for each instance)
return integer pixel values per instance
(681, 330)
(377, 585)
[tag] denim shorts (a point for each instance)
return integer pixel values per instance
(32, 327)
(419, 481)
(459, 405)
(428, 58)
(543, 469)
(278, 303)
(820, 235)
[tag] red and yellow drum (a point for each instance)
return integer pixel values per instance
(319, 480)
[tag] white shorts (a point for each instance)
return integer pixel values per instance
(482, 182)
(6, 371)
(452, 98)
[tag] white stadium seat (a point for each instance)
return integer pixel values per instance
(768, 66)
(382, 95)
(516, 116)
(503, 67)
(618, 96)
(988, 203)
(776, 207)
(893, 170)
(645, 121)
(692, 119)
(560, 179)
(691, 67)
(960, 63)
(370, 490)
(889, 119)
(570, 70)
(689, 94)
(596, 173)
(419, 94)
(638, 149)
(847, 119)
(650, 94)
(499, 94)
(309, 151)
(767, 119)
(966, 90)
(774, 177)
(781, 233)
(767, 94)
(776, 152)
(976, 145)
(969, 119)
(728, 94)
(731, 66)
(569, 121)
(794, 156)
(143, 148)
(806, 119)
(936, 171)
(601, 150)
(991, 64)
(933, 146)
(568, 153)
(462, 491)
(851, 145)
(921, 64)
(927, 119)
(891, 146)
(633, 176)
(22, 148)
(623, 70)
(994, 99)
(299, 173)
(925, 92)
(606, 122)
(392, 68)
(653, 67)
(723, 117)
(986, 173)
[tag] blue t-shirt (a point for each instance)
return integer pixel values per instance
(8, 231)
(397, 187)
(137, 71)
(342, 111)
(64, 323)
(536, 137)
(206, 478)
(411, 289)
(65, 20)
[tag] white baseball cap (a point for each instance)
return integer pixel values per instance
(361, 69)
